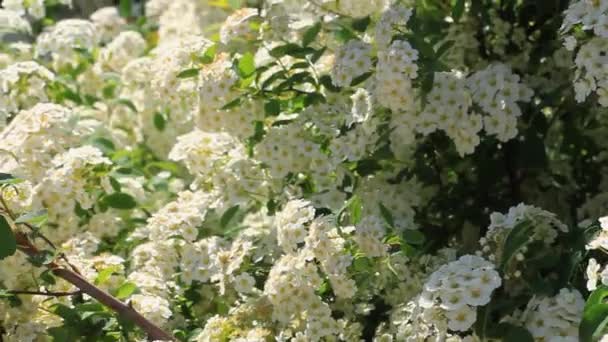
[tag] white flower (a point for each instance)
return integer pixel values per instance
(461, 319)
(244, 283)
(592, 271)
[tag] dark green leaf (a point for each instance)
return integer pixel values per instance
(360, 79)
(127, 103)
(595, 316)
(387, 215)
(120, 200)
(413, 237)
(188, 73)
(159, 121)
(517, 238)
(272, 108)
(458, 10)
(228, 216)
(311, 34)
(361, 24)
(232, 104)
(125, 8)
(8, 243)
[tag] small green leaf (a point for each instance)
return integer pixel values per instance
(311, 34)
(387, 215)
(360, 79)
(35, 218)
(6, 179)
(443, 48)
(125, 8)
(128, 103)
(8, 243)
(272, 108)
(458, 10)
(159, 121)
(413, 237)
(188, 73)
(355, 207)
(106, 273)
(125, 290)
(228, 216)
(232, 104)
(361, 24)
(120, 200)
(516, 239)
(105, 145)
(246, 65)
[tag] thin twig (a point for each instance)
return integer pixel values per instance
(44, 293)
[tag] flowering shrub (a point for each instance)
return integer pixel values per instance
(323, 170)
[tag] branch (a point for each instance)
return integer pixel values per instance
(154, 332)
(44, 293)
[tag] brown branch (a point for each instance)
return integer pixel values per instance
(124, 310)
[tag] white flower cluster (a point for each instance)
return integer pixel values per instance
(458, 288)
(62, 41)
(22, 85)
(108, 23)
(35, 8)
(352, 60)
(497, 90)
(554, 318)
(360, 9)
(396, 68)
(590, 58)
(11, 23)
(448, 110)
(544, 227)
(238, 25)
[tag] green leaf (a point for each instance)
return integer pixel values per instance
(125, 8)
(458, 10)
(360, 79)
(42, 258)
(127, 103)
(159, 121)
(120, 200)
(125, 290)
(272, 108)
(595, 316)
(443, 48)
(232, 104)
(105, 145)
(311, 34)
(6, 179)
(8, 243)
(354, 207)
(35, 218)
(518, 334)
(517, 238)
(413, 237)
(228, 216)
(387, 215)
(246, 66)
(188, 73)
(106, 273)
(361, 24)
